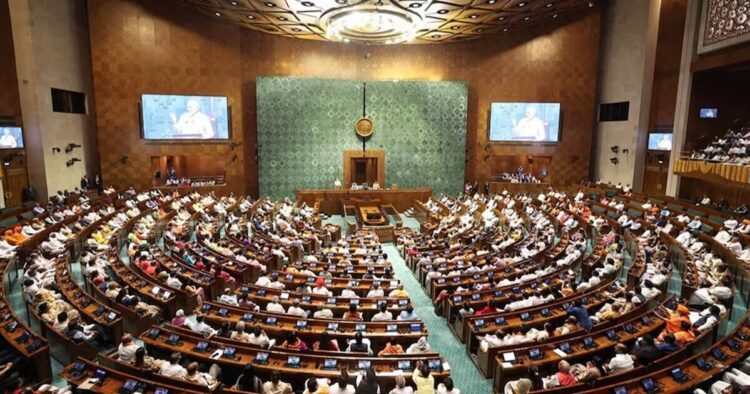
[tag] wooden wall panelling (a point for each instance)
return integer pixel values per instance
(142, 46)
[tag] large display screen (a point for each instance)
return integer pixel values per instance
(525, 122)
(11, 137)
(173, 117)
(660, 141)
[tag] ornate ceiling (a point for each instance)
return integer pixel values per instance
(389, 21)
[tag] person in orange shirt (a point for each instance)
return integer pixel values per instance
(391, 348)
(352, 313)
(685, 335)
(673, 319)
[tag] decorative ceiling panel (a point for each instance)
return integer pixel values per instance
(389, 21)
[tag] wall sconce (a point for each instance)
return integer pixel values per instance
(124, 159)
(614, 160)
(72, 161)
(55, 150)
(234, 158)
(614, 148)
(660, 158)
(234, 145)
(626, 151)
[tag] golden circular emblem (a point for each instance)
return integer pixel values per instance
(364, 127)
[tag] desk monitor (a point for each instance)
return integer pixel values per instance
(330, 363)
(261, 357)
(404, 365)
(391, 328)
(293, 361)
(363, 364)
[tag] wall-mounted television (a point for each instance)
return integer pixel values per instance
(11, 137)
(660, 141)
(709, 113)
(525, 122)
(166, 117)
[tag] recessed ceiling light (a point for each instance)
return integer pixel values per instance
(296, 29)
(218, 14)
(491, 1)
(506, 29)
(341, 1)
(549, 5)
(307, 4)
(554, 16)
(234, 3)
(480, 30)
(527, 18)
(435, 35)
(415, 5)
(455, 27)
(442, 12)
(521, 4)
(501, 18)
(281, 18)
(474, 16)
(591, 3)
(269, 4)
(250, 17)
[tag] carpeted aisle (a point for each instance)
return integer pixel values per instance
(465, 375)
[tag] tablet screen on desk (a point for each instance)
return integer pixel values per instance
(173, 339)
(499, 321)
(284, 296)
(354, 301)
(363, 364)
(100, 374)
(457, 299)
(333, 326)
(223, 312)
(509, 357)
(202, 346)
(306, 298)
(391, 328)
(404, 365)
(205, 308)
(476, 296)
(130, 385)
(247, 316)
(301, 323)
(161, 390)
(565, 347)
(535, 354)
(271, 320)
(525, 316)
(434, 365)
(261, 357)
(229, 352)
(479, 323)
(360, 327)
(677, 374)
(415, 327)
(330, 363)
(648, 384)
(331, 301)
(293, 361)
(621, 390)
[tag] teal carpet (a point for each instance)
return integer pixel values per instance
(464, 373)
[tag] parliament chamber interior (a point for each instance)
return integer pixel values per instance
(374, 196)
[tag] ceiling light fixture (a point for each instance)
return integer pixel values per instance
(549, 5)
(218, 14)
(371, 25)
(415, 5)
(521, 4)
(474, 16)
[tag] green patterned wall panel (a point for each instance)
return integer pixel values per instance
(304, 125)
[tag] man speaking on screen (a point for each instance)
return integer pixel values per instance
(192, 122)
(529, 127)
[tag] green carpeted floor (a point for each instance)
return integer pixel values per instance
(463, 371)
